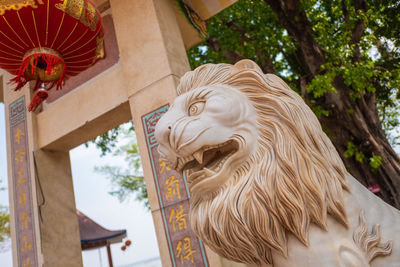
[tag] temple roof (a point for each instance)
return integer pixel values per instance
(94, 235)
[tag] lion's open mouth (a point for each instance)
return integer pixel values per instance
(207, 161)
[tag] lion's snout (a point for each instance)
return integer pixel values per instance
(162, 134)
(162, 131)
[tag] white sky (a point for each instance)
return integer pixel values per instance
(92, 198)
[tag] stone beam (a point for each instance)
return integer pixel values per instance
(85, 113)
(208, 8)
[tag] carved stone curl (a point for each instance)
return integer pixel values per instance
(371, 244)
(267, 185)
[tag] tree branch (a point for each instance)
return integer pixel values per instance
(345, 12)
(243, 32)
(358, 30)
(292, 16)
(266, 62)
(230, 55)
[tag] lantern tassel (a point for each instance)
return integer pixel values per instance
(51, 61)
(36, 61)
(60, 81)
(20, 80)
(40, 96)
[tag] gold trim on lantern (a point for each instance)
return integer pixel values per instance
(23, 26)
(10, 59)
(9, 47)
(46, 73)
(16, 34)
(78, 61)
(11, 40)
(10, 54)
(41, 74)
(16, 4)
(58, 31)
(58, 48)
(83, 11)
(77, 40)
(82, 46)
(99, 48)
(43, 50)
(80, 67)
(34, 24)
(47, 22)
(74, 8)
(79, 55)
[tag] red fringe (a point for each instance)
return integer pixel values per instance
(51, 61)
(60, 81)
(40, 96)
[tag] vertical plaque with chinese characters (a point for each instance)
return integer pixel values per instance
(185, 248)
(23, 204)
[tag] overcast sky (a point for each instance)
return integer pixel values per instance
(92, 198)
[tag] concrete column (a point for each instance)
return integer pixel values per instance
(49, 235)
(60, 238)
(154, 57)
(164, 89)
(24, 216)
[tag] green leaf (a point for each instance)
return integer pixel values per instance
(350, 150)
(360, 157)
(375, 161)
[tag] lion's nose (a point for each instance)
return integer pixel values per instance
(162, 132)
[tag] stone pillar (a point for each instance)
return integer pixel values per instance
(60, 237)
(24, 216)
(154, 57)
(47, 235)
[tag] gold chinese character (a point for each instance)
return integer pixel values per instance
(27, 263)
(172, 188)
(178, 217)
(19, 156)
(163, 166)
(22, 197)
(27, 245)
(21, 178)
(187, 250)
(18, 134)
(24, 221)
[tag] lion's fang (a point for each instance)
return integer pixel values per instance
(198, 156)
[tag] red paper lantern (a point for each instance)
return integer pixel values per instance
(48, 40)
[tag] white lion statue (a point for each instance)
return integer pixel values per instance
(267, 185)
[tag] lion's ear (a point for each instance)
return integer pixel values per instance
(247, 64)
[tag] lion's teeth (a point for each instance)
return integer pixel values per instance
(198, 156)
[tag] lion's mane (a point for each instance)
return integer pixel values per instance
(295, 177)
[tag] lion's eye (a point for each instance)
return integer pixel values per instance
(196, 108)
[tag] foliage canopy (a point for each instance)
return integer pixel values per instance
(341, 56)
(125, 180)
